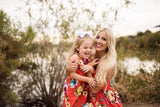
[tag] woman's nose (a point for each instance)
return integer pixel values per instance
(98, 40)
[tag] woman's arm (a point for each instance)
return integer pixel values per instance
(89, 67)
(72, 64)
(94, 62)
(71, 67)
(112, 72)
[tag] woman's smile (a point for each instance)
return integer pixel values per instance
(101, 41)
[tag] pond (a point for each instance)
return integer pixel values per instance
(133, 65)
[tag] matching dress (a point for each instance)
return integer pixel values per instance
(75, 92)
(106, 97)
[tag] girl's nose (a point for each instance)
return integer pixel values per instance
(88, 49)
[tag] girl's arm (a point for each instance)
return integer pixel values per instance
(96, 88)
(90, 81)
(76, 76)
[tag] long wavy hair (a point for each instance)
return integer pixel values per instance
(107, 67)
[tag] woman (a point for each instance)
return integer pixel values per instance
(104, 94)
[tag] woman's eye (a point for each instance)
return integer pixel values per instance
(104, 39)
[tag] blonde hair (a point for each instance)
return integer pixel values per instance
(107, 67)
(78, 41)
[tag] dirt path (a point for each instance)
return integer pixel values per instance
(141, 105)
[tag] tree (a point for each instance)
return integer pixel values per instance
(13, 46)
(61, 18)
(43, 84)
(44, 72)
(8, 60)
(140, 34)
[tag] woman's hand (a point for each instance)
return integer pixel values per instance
(95, 89)
(87, 68)
(94, 62)
(92, 82)
(72, 66)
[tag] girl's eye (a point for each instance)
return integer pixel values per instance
(97, 37)
(85, 47)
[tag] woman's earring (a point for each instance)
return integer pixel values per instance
(107, 49)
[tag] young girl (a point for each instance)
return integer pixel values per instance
(75, 87)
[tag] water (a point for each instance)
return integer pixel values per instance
(133, 65)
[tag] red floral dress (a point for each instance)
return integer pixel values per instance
(75, 92)
(105, 97)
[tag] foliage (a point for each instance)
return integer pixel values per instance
(7, 96)
(141, 88)
(8, 60)
(44, 72)
(43, 67)
(31, 72)
(13, 46)
(62, 18)
(145, 46)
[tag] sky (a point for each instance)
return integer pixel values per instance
(143, 15)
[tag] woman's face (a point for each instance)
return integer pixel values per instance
(101, 41)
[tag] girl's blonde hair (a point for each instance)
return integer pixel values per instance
(78, 41)
(107, 67)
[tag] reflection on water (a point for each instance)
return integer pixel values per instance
(133, 65)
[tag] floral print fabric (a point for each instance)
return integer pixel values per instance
(75, 92)
(105, 97)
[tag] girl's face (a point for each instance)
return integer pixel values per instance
(101, 41)
(85, 49)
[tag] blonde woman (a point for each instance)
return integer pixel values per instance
(105, 70)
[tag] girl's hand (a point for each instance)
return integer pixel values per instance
(94, 62)
(87, 68)
(92, 82)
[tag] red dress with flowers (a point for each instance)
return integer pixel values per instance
(75, 92)
(105, 97)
